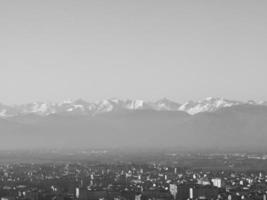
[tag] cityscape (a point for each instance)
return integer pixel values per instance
(111, 175)
(133, 100)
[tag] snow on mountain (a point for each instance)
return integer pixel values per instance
(109, 105)
(209, 104)
(3, 110)
(166, 104)
(253, 102)
(7, 111)
(105, 106)
(36, 108)
(82, 107)
(136, 104)
(3, 113)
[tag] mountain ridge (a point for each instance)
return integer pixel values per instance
(82, 107)
(237, 127)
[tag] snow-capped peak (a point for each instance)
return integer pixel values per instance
(253, 102)
(209, 104)
(166, 104)
(136, 104)
(82, 107)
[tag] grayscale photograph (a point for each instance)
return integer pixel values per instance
(133, 100)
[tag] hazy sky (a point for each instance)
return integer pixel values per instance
(55, 50)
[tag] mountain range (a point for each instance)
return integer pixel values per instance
(82, 107)
(212, 123)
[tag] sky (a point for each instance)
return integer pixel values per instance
(94, 49)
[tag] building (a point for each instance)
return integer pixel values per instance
(217, 182)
